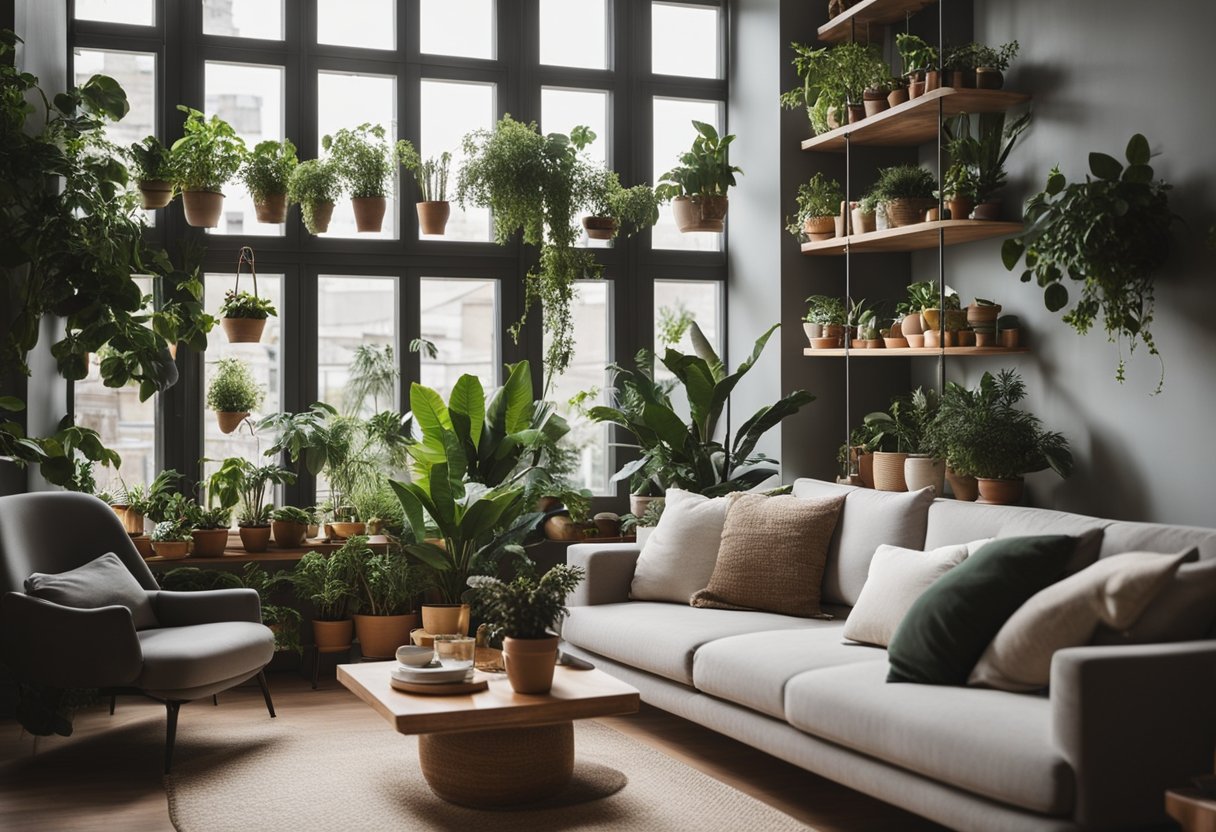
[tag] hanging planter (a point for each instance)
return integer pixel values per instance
(369, 213)
(203, 208)
(365, 161)
(433, 216)
(698, 186)
(600, 228)
(155, 193)
(233, 394)
(244, 315)
(431, 177)
(266, 173)
(314, 185)
(207, 156)
(151, 167)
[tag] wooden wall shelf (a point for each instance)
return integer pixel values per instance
(871, 13)
(235, 553)
(914, 122)
(913, 352)
(923, 235)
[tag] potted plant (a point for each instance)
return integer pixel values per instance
(917, 425)
(818, 203)
(523, 613)
(991, 64)
(365, 161)
(615, 209)
(980, 155)
(697, 186)
(204, 159)
(920, 64)
(171, 539)
(1008, 331)
(153, 170)
(572, 520)
(233, 394)
(282, 620)
(315, 186)
(385, 586)
(241, 483)
(266, 173)
(209, 529)
(989, 438)
(981, 317)
(328, 583)
(431, 177)
(835, 81)
(1110, 233)
(906, 193)
(959, 190)
(854, 69)
(959, 64)
(289, 525)
(863, 214)
(824, 321)
(243, 315)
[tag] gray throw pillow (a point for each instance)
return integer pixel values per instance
(1185, 610)
(103, 582)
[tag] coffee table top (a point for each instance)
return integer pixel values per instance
(576, 694)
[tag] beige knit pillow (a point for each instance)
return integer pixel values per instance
(772, 554)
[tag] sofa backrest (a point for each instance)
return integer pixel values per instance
(1157, 537)
(954, 521)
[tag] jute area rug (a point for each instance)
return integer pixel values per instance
(271, 776)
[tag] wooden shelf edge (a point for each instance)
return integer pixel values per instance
(914, 352)
(877, 12)
(916, 237)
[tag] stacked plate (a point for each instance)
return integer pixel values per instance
(432, 674)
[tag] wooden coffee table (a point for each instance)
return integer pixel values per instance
(495, 747)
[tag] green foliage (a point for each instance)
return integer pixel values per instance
(238, 482)
(673, 323)
(923, 295)
(268, 169)
(70, 454)
(233, 388)
(215, 517)
(704, 170)
(430, 176)
(171, 531)
(208, 154)
(386, 582)
(526, 607)
(193, 579)
(284, 621)
(373, 375)
(820, 197)
(825, 310)
(15, 446)
(993, 58)
(909, 426)
(633, 208)
(246, 305)
(979, 155)
(904, 182)
(151, 160)
(150, 500)
(365, 160)
(328, 581)
(960, 182)
(917, 55)
(291, 514)
(1110, 233)
(679, 452)
(313, 182)
(833, 76)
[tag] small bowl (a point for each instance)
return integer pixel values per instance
(412, 656)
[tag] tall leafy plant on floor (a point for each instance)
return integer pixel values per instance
(1110, 234)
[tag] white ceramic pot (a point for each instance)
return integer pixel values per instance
(924, 471)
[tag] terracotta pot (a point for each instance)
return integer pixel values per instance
(343, 531)
(255, 538)
(209, 543)
(966, 338)
(155, 193)
(288, 535)
(874, 101)
(960, 208)
(911, 325)
(171, 549)
(964, 488)
(322, 213)
(916, 89)
(897, 96)
(987, 211)
(1010, 338)
(819, 228)
(895, 343)
(923, 471)
(638, 504)
(916, 341)
(203, 208)
(446, 619)
(901, 212)
(832, 343)
(857, 344)
(933, 80)
(700, 213)
(983, 315)
(561, 527)
(608, 526)
(1000, 492)
(812, 330)
(962, 78)
(862, 223)
(857, 112)
(272, 210)
(872, 343)
(369, 212)
(243, 330)
(333, 636)
(889, 471)
(987, 78)
(985, 339)
(433, 216)
(600, 228)
(865, 469)
(381, 635)
(949, 338)
(229, 421)
(530, 663)
(143, 545)
(933, 338)
(132, 521)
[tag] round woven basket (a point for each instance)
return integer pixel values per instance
(889, 471)
(902, 212)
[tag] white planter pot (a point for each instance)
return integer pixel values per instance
(921, 471)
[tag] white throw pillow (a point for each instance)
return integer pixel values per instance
(896, 579)
(679, 555)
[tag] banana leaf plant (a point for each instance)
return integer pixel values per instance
(688, 453)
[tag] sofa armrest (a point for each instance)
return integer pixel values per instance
(1133, 721)
(49, 644)
(609, 569)
(181, 609)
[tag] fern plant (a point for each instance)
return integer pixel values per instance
(526, 607)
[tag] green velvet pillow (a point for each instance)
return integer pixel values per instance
(948, 628)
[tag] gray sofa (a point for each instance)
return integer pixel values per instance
(1119, 725)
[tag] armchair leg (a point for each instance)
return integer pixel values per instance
(113, 702)
(215, 699)
(171, 709)
(266, 692)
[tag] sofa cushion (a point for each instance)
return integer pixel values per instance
(987, 742)
(1157, 537)
(752, 669)
(897, 578)
(772, 554)
(954, 521)
(949, 625)
(1184, 610)
(662, 638)
(869, 518)
(1114, 591)
(680, 553)
(102, 582)
(180, 658)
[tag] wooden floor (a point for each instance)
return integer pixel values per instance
(89, 781)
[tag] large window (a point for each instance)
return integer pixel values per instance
(673, 134)
(450, 111)
(357, 356)
(348, 100)
(459, 331)
(136, 71)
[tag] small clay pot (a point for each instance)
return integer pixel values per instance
(985, 339)
(932, 338)
(826, 343)
(143, 545)
(203, 208)
(862, 223)
(964, 488)
(865, 469)
(819, 228)
(700, 213)
(333, 636)
(1010, 338)
(1000, 492)
(600, 228)
(243, 330)
(608, 524)
(288, 535)
(916, 88)
(960, 208)
(445, 619)
(857, 112)
(916, 341)
(343, 531)
(228, 421)
(209, 543)
(988, 78)
(433, 216)
(272, 210)
(933, 80)
(369, 212)
(895, 343)
(255, 538)
(812, 330)
(530, 663)
(987, 211)
(897, 96)
(874, 103)
(381, 635)
(911, 325)
(171, 549)
(155, 193)
(985, 316)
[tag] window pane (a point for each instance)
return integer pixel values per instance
(677, 303)
(457, 27)
(371, 24)
(133, 12)
(264, 360)
(126, 424)
(136, 72)
(685, 40)
(348, 100)
(357, 358)
(562, 110)
(250, 98)
(450, 109)
(673, 135)
(460, 317)
(244, 18)
(574, 33)
(592, 327)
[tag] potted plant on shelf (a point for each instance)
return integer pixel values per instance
(204, 159)
(835, 81)
(365, 161)
(1110, 233)
(980, 155)
(241, 483)
(233, 394)
(920, 64)
(818, 203)
(1009, 331)
(209, 529)
(385, 586)
(171, 539)
(328, 583)
(573, 519)
(959, 190)
(989, 438)
(854, 69)
(863, 214)
(906, 193)
(958, 62)
(616, 209)
(697, 186)
(153, 170)
(926, 462)
(243, 315)
(981, 317)
(288, 526)
(431, 177)
(991, 64)
(824, 321)
(315, 186)
(861, 326)
(266, 173)
(523, 613)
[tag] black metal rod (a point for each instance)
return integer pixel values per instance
(171, 709)
(266, 692)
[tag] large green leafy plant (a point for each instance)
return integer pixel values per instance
(818, 197)
(314, 182)
(978, 151)
(704, 169)
(328, 581)
(241, 483)
(1110, 233)
(833, 76)
(209, 153)
(908, 426)
(268, 169)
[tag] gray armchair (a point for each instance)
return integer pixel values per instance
(202, 642)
